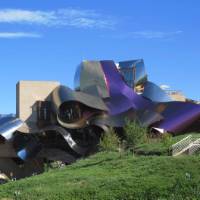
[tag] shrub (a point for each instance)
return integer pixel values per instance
(109, 141)
(167, 140)
(134, 133)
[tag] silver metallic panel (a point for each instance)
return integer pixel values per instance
(68, 138)
(8, 125)
(155, 93)
(133, 72)
(64, 94)
(90, 79)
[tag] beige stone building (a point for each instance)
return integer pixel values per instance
(176, 95)
(29, 94)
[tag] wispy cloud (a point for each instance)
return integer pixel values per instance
(63, 17)
(154, 34)
(13, 35)
(165, 87)
(149, 34)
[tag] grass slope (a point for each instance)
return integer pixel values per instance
(158, 147)
(111, 176)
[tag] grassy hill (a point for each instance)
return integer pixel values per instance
(160, 147)
(112, 176)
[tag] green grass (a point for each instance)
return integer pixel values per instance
(107, 176)
(157, 146)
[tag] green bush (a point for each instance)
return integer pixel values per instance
(109, 141)
(167, 139)
(135, 134)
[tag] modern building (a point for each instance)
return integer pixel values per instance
(176, 95)
(32, 97)
(56, 123)
(134, 73)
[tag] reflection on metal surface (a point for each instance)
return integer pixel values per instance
(64, 94)
(118, 120)
(122, 97)
(155, 93)
(159, 130)
(178, 116)
(26, 146)
(133, 72)
(8, 125)
(74, 109)
(70, 122)
(149, 117)
(68, 138)
(90, 79)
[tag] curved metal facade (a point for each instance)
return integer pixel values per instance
(104, 96)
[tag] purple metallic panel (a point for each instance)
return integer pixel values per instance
(178, 116)
(122, 97)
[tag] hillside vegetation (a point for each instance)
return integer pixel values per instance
(159, 146)
(109, 175)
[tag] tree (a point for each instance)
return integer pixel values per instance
(109, 141)
(134, 133)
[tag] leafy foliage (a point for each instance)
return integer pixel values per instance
(109, 141)
(167, 139)
(135, 134)
(160, 146)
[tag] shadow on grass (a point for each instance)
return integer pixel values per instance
(96, 163)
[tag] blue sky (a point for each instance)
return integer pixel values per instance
(46, 40)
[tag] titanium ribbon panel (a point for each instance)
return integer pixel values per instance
(83, 107)
(32, 147)
(148, 117)
(67, 136)
(155, 93)
(8, 125)
(64, 94)
(90, 79)
(178, 116)
(114, 120)
(133, 71)
(122, 97)
(26, 146)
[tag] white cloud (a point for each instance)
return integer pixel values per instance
(10, 35)
(63, 17)
(165, 87)
(148, 35)
(154, 34)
